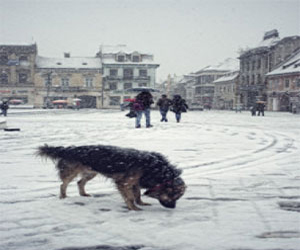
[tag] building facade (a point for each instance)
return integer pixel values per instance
(124, 69)
(68, 78)
(224, 94)
(255, 63)
(17, 69)
(284, 85)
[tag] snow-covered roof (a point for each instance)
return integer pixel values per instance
(120, 48)
(227, 78)
(268, 42)
(69, 62)
(230, 64)
(291, 66)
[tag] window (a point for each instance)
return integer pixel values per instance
(23, 59)
(114, 100)
(253, 65)
(3, 59)
(258, 79)
(143, 72)
(113, 72)
(258, 64)
(127, 85)
(113, 86)
(65, 82)
(89, 82)
(287, 83)
(128, 73)
(135, 58)
(298, 82)
(3, 78)
(142, 84)
(22, 78)
(121, 58)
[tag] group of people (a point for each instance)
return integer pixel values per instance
(143, 101)
(4, 107)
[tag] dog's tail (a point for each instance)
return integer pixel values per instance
(54, 153)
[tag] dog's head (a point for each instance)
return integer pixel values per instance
(168, 193)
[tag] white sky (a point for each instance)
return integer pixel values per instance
(183, 35)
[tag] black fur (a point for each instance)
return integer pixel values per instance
(109, 160)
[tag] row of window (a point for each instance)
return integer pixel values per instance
(128, 72)
(127, 85)
(65, 82)
(123, 58)
(23, 78)
(4, 59)
(252, 79)
(275, 84)
(246, 66)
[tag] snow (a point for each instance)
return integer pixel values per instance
(268, 42)
(291, 66)
(227, 78)
(230, 64)
(69, 62)
(242, 175)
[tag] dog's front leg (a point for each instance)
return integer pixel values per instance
(128, 195)
(137, 195)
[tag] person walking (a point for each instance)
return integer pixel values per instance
(178, 106)
(4, 107)
(261, 109)
(164, 103)
(142, 105)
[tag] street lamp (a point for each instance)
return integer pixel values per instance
(48, 85)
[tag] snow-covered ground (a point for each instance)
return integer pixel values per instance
(242, 174)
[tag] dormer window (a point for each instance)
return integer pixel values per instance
(121, 58)
(59, 63)
(84, 63)
(135, 58)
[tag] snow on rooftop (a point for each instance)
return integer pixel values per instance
(227, 78)
(292, 65)
(71, 62)
(120, 48)
(268, 42)
(230, 64)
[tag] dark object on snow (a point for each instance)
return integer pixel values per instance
(105, 247)
(131, 114)
(12, 129)
(178, 106)
(130, 169)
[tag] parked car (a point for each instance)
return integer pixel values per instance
(196, 106)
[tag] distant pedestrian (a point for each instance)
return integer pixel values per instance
(253, 110)
(4, 107)
(164, 103)
(142, 106)
(178, 106)
(261, 109)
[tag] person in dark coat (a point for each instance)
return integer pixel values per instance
(178, 106)
(142, 106)
(164, 103)
(261, 109)
(4, 107)
(253, 110)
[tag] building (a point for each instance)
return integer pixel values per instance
(17, 68)
(284, 85)
(124, 69)
(225, 88)
(205, 78)
(256, 62)
(68, 78)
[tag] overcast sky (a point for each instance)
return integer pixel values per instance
(183, 35)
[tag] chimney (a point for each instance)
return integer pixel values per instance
(67, 55)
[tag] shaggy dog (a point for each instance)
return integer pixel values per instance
(130, 169)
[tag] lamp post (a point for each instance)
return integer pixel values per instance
(48, 85)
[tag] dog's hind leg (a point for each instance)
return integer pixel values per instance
(67, 172)
(86, 176)
(137, 195)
